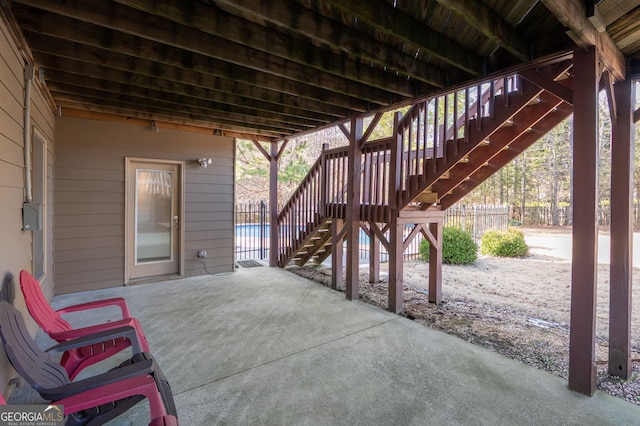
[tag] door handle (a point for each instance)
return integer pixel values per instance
(176, 221)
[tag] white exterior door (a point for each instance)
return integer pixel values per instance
(154, 219)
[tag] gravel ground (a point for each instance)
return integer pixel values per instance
(516, 307)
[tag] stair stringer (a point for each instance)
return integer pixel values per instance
(504, 111)
(524, 122)
(504, 156)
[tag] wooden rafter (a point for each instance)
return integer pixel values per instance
(296, 18)
(135, 107)
(482, 18)
(380, 14)
(208, 74)
(228, 38)
(93, 112)
(626, 30)
(573, 14)
(216, 103)
(63, 69)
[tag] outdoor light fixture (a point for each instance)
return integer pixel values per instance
(154, 126)
(204, 162)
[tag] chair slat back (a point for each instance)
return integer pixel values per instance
(31, 362)
(39, 307)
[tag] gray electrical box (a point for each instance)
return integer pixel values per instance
(32, 216)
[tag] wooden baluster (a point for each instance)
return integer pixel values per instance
(492, 99)
(325, 179)
(416, 168)
(478, 107)
(445, 119)
(332, 194)
(395, 163)
(444, 129)
(436, 147)
(401, 158)
(466, 115)
(505, 91)
(385, 172)
(455, 123)
(425, 123)
(368, 184)
(408, 145)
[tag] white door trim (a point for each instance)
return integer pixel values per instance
(129, 251)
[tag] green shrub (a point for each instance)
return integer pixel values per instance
(458, 247)
(504, 244)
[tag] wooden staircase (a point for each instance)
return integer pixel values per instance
(440, 150)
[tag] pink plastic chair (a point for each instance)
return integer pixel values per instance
(74, 360)
(93, 400)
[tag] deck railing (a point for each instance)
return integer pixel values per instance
(441, 124)
(393, 169)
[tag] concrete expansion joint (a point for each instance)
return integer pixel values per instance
(271, 361)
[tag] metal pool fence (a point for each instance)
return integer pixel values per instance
(252, 229)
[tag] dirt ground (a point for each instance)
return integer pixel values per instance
(516, 307)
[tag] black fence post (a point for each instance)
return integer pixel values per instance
(263, 229)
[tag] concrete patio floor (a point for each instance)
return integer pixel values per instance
(262, 346)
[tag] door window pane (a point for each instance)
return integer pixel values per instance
(154, 194)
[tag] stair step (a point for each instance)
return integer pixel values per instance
(427, 198)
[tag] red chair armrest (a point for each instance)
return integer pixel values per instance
(80, 332)
(141, 385)
(117, 301)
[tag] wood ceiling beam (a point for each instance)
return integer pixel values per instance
(124, 106)
(101, 77)
(170, 124)
(573, 14)
(174, 65)
(484, 19)
(298, 19)
(626, 30)
(94, 112)
(269, 52)
(82, 85)
(78, 59)
(384, 16)
(98, 97)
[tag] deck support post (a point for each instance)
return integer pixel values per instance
(435, 263)
(396, 263)
(582, 367)
(353, 208)
(622, 155)
(374, 257)
(273, 156)
(273, 204)
(337, 253)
